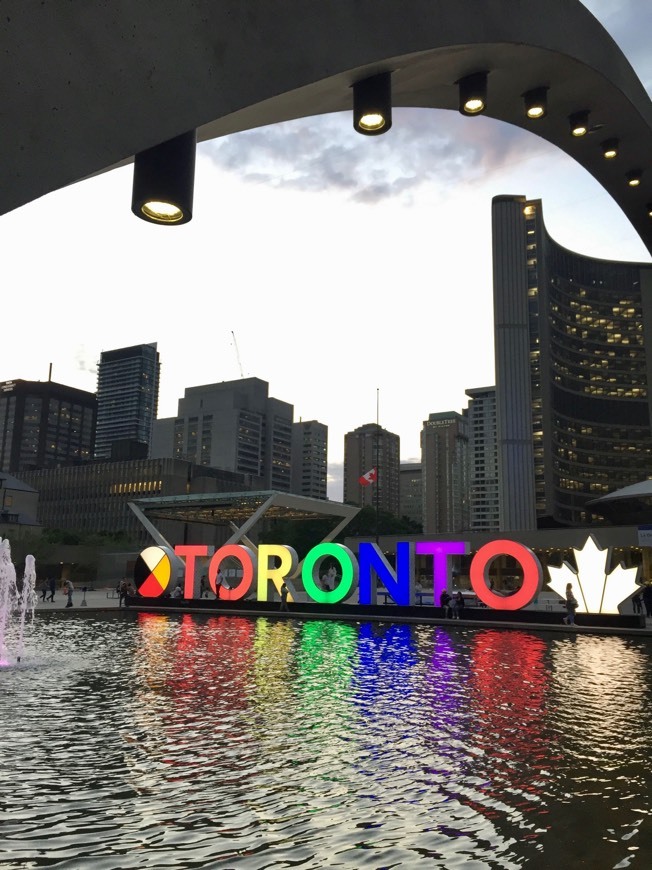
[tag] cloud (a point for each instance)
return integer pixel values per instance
(84, 362)
(424, 146)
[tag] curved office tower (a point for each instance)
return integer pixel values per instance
(572, 372)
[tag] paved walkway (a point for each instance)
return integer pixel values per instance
(98, 599)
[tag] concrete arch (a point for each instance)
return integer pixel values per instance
(83, 87)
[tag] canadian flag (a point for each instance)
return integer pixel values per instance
(368, 477)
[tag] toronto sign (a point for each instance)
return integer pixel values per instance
(263, 570)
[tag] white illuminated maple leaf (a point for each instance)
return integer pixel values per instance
(596, 591)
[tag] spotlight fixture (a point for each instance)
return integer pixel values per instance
(372, 104)
(536, 103)
(648, 208)
(579, 123)
(164, 180)
(634, 177)
(610, 149)
(473, 93)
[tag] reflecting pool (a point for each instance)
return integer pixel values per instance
(135, 740)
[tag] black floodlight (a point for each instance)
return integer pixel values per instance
(610, 149)
(372, 104)
(473, 93)
(164, 181)
(579, 123)
(536, 103)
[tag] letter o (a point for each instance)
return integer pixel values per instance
(532, 574)
(246, 557)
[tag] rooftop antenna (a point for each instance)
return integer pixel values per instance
(237, 353)
(50, 373)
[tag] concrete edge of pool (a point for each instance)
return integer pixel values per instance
(605, 624)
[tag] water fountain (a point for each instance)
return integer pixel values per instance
(17, 604)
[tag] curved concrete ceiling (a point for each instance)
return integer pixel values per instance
(83, 87)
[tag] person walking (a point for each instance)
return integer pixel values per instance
(284, 597)
(571, 605)
(647, 600)
(52, 586)
(68, 588)
(44, 589)
(637, 602)
(458, 604)
(123, 591)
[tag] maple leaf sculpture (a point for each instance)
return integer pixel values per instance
(596, 591)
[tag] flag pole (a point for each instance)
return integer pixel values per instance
(377, 468)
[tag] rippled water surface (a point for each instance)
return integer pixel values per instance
(176, 741)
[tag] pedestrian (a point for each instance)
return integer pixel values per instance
(219, 581)
(284, 597)
(571, 605)
(647, 599)
(445, 603)
(203, 586)
(123, 588)
(69, 589)
(44, 589)
(637, 602)
(459, 605)
(52, 586)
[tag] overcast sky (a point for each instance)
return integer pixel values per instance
(337, 267)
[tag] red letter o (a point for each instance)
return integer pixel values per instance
(532, 574)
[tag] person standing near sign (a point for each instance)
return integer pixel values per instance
(284, 597)
(571, 605)
(647, 599)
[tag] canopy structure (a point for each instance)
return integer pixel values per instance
(241, 511)
(631, 505)
(86, 86)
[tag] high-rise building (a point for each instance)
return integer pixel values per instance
(444, 464)
(411, 492)
(309, 458)
(127, 401)
(233, 425)
(572, 372)
(484, 514)
(368, 447)
(44, 425)
(95, 497)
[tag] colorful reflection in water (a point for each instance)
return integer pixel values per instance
(183, 741)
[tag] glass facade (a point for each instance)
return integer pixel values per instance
(127, 396)
(588, 368)
(44, 425)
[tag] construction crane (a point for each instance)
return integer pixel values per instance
(237, 354)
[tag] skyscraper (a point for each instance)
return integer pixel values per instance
(127, 401)
(309, 458)
(368, 447)
(444, 469)
(411, 492)
(44, 425)
(572, 372)
(234, 425)
(484, 515)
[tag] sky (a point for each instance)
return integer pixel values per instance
(351, 273)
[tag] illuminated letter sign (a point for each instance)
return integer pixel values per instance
(440, 551)
(266, 572)
(532, 575)
(400, 585)
(246, 558)
(276, 564)
(310, 573)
